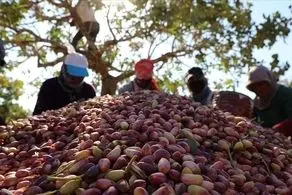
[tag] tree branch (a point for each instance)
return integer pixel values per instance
(173, 54)
(52, 63)
(162, 58)
(60, 5)
(109, 43)
(108, 23)
(149, 50)
(63, 18)
(124, 75)
(173, 42)
(162, 41)
(115, 69)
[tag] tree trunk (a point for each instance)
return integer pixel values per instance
(109, 85)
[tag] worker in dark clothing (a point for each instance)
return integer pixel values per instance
(2, 122)
(273, 102)
(198, 86)
(144, 78)
(68, 87)
(2, 54)
(89, 25)
(2, 63)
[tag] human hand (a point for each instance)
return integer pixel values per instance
(284, 127)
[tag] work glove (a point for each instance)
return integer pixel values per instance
(284, 127)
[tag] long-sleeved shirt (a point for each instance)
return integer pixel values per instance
(85, 12)
(279, 110)
(132, 86)
(54, 95)
(127, 87)
(205, 97)
(2, 121)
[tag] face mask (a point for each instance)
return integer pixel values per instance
(74, 85)
(72, 81)
(196, 86)
(142, 83)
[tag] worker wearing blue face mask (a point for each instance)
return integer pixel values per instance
(59, 91)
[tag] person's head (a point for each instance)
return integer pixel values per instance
(2, 54)
(261, 81)
(74, 69)
(196, 80)
(144, 72)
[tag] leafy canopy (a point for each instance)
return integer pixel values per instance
(216, 35)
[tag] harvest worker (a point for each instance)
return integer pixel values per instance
(273, 102)
(198, 86)
(66, 88)
(2, 63)
(89, 25)
(2, 54)
(144, 78)
(2, 121)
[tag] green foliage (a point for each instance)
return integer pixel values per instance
(277, 68)
(10, 91)
(169, 86)
(55, 34)
(227, 84)
(216, 35)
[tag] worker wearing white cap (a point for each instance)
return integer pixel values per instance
(59, 91)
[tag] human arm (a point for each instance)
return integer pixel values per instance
(44, 101)
(72, 16)
(285, 126)
(91, 92)
(72, 22)
(86, 93)
(125, 88)
(121, 90)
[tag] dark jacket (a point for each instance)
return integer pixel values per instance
(205, 97)
(54, 95)
(130, 87)
(2, 121)
(279, 110)
(127, 87)
(2, 53)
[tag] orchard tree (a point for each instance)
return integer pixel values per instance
(215, 34)
(10, 91)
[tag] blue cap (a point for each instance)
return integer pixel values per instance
(77, 71)
(76, 65)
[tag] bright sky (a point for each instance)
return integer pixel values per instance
(260, 6)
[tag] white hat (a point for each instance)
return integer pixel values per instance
(77, 64)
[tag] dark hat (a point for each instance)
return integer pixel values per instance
(196, 71)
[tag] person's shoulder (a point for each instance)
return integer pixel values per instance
(126, 87)
(285, 91)
(89, 88)
(50, 81)
(213, 94)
